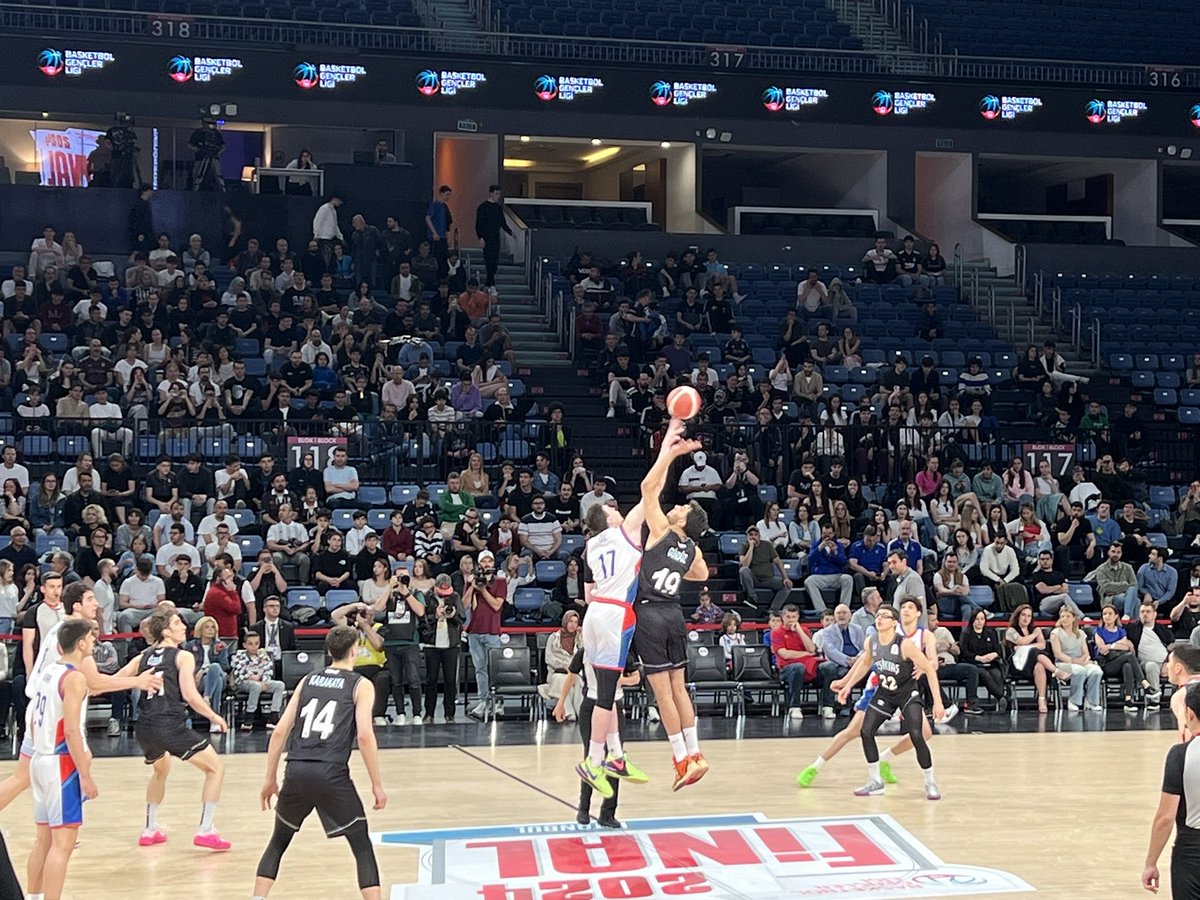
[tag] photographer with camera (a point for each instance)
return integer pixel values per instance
(484, 597)
(124, 170)
(399, 611)
(441, 637)
(370, 661)
(207, 145)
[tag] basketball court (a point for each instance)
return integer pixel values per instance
(462, 821)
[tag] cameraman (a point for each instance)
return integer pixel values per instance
(207, 145)
(123, 168)
(370, 661)
(483, 598)
(399, 611)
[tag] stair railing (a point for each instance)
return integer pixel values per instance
(1056, 309)
(1012, 320)
(958, 266)
(1029, 336)
(1039, 288)
(1019, 257)
(1076, 326)
(1096, 343)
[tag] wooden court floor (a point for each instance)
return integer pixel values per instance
(1023, 803)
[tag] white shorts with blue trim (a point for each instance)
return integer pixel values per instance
(607, 633)
(57, 798)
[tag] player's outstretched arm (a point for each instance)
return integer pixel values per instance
(126, 679)
(364, 700)
(75, 691)
(275, 746)
(673, 447)
(632, 526)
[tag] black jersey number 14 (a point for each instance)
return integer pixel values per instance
(321, 721)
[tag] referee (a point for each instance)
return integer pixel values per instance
(1179, 805)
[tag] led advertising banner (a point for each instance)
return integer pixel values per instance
(62, 155)
(698, 94)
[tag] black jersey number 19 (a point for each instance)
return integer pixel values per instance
(666, 582)
(321, 721)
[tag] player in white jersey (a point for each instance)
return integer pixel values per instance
(60, 769)
(80, 604)
(612, 558)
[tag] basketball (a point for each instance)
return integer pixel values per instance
(684, 402)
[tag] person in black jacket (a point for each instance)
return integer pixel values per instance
(980, 646)
(142, 235)
(489, 222)
(441, 635)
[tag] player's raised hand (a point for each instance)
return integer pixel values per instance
(674, 443)
(270, 790)
(380, 796)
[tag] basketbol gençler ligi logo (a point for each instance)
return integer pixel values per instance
(660, 93)
(989, 107)
(1194, 115)
(428, 82)
(50, 62)
(1095, 111)
(881, 103)
(305, 75)
(180, 68)
(545, 87)
(772, 98)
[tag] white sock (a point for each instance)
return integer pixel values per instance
(678, 747)
(873, 769)
(35, 897)
(595, 753)
(887, 755)
(151, 816)
(818, 762)
(690, 740)
(928, 775)
(614, 745)
(207, 814)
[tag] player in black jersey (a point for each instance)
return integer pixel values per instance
(326, 713)
(898, 661)
(671, 557)
(163, 732)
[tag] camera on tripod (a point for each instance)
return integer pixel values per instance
(207, 139)
(122, 135)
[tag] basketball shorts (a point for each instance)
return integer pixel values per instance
(607, 634)
(178, 740)
(320, 786)
(887, 702)
(868, 692)
(57, 798)
(661, 637)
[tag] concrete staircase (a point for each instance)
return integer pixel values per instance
(455, 23)
(1015, 317)
(878, 36)
(533, 341)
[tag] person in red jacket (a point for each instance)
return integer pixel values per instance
(398, 539)
(224, 602)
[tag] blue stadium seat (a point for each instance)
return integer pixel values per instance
(303, 597)
(528, 600)
(548, 571)
(731, 543)
(336, 598)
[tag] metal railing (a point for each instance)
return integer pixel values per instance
(1019, 266)
(1095, 348)
(1056, 319)
(99, 24)
(1039, 290)
(1076, 326)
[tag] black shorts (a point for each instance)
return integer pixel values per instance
(325, 787)
(178, 740)
(660, 641)
(887, 702)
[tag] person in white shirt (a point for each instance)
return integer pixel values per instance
(341, 480)
(315, 345)
(223, 544)
(325, 222)
(167, 276)
(8, 287)
(356, 536)
(45, 252)
(289, 543)
(140, 593)
(206, 532)
(700, 482)
(159, 255)
(231, 477)
(999, 567)
(105, 409)
(10, 468)
(598, 494)
(175, 547)
(83, 309)
(880, 263)
(397, 390)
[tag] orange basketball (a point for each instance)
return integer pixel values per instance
(684, 402)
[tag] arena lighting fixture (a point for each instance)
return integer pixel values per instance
(518, 163)
(725, 137)
(596, 142)
(247, 173)
(710, 133)
(640, 167)
(598, 156)
(525, 139)
(1185, 153)
(666, 145)
(1172, 149)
